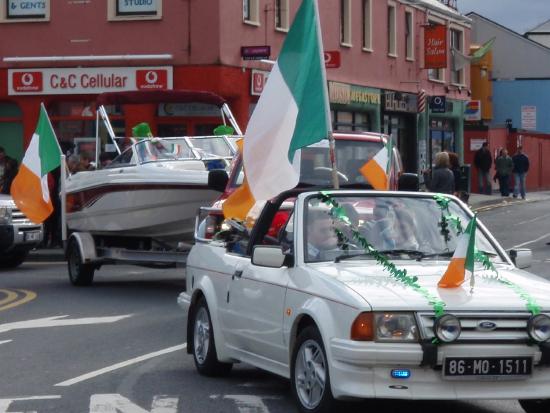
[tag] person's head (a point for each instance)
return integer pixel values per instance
(453, 159)
(504, 152)
(320, 230)
(485, 145)
(85, 159)
(442, 160)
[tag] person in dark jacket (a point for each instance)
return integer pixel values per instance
(442, 180)
(483, 162)
(504, 166)
(521, 167)
(10, 171)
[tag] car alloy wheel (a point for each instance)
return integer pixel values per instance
(311, 372)
(201, 336)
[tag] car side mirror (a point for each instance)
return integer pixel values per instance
(217, 180)
(521, 257)
(268, 256)
(408, 182)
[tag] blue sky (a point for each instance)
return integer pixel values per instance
(518, 15)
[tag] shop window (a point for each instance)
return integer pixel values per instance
(457, 43)
(409, 35)
(367, 25)
(351, 121)
(251, 12)
(13, 11)
(345, 22)
(392, 27)
(282, 14)
(134, 9)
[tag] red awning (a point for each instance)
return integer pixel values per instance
(159, 96)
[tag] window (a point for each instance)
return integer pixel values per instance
(14, 11)
(345, 22)
(409, 35)
(134, 9)
(281, 15)
(392, 27)
(367, 25)
(251, 13)
(457, 43)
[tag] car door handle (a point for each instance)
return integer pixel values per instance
(237, 274)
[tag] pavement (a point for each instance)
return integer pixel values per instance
(477, 203)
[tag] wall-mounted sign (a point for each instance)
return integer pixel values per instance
(92, 80)
(472, 111)
(188, 109)
(400, 102)
(25, 9)
(354, 95)
(477, 143)
(332, 59)
(529, 117)
(255, 52)
(435, 46)
(438, 104)
(258, 80)
(131, 7)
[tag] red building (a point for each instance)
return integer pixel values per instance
(63, 53)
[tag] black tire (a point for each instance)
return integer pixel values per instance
(13, 260)
(535, 406)
(302, 384)
(80, 274)
(206, 359)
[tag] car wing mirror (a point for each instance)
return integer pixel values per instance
(268, 256)
(217, 180)
(408, 182)
(521, 257)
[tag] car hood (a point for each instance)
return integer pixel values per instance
(384, 293)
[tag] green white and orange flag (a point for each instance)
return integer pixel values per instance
(30, 187)
(377, 171)
(463, 259)
(293, 111)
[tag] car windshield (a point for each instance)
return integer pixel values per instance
(157, 149)
(401, 227)
(315, 167)
(212, 147)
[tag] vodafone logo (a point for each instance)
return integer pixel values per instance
(151, 79)
(27, 81)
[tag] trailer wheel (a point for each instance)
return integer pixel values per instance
(80, 274)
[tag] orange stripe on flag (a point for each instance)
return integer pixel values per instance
(454, 276)
(239, 202)
(375, 175)
(27, 194)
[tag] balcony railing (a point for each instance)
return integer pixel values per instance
(450, 3)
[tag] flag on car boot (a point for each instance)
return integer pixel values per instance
(377, 171)
(293, 110)
(241, 200)
(30, 187)
(463, 258)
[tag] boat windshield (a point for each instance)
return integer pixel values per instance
(157, 149)
(209, 147)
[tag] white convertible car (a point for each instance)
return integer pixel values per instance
(316, 292)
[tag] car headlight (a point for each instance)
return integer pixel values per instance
(395, 327)
(447, 328)
(5, 215)
(538, 328)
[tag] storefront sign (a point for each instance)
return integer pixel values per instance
(332, 59)
(438, 104)
(64, 81)
(473, 111)
(346, 94)
(27, 8)
(257, 83)
(529, 117)
(400, 102)
(476, 144)
(188, 109)
(435, 46)
(255, 52)
(129, 7)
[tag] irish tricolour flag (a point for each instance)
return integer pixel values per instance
(463, 259)
(377, 171)
(293, 110)
(30, 187)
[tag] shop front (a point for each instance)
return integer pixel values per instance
(354, 108)
(399, 120)
(446, 129)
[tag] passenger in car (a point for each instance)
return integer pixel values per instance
(321, 236)
(379, 231)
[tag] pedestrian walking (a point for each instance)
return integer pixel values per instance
(442, 179)
(483, 162)
(504, 166)
(521, 167)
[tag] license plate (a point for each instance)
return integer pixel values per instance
(456, 367)
(32, 236)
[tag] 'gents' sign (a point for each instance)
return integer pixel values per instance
(92, 80)
(435, 46)
(19, 9)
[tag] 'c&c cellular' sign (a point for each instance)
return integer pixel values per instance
(63, 81)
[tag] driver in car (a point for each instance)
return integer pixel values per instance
(321, 236)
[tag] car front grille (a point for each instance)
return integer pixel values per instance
(508, 326)
(17, 217)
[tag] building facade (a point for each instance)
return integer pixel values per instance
(64, 53)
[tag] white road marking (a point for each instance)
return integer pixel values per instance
(532, 241)
(5, 403)
(250, 403)
(115, 403)
(532, 220)
(120, 365)
(5, 341)
(59, 321)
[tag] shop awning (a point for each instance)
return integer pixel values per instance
(159, 96)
